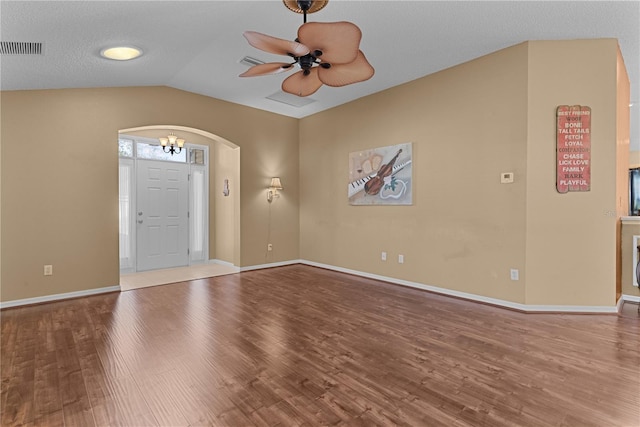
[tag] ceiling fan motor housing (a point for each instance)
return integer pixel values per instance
(306, 62)
(305, 5)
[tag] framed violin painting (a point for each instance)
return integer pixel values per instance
(381, 176)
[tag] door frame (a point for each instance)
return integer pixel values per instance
(132, 266)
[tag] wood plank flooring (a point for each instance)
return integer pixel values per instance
(303, 346)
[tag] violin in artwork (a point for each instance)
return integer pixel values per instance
(375, 184)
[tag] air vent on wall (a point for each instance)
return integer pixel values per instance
(20, 48)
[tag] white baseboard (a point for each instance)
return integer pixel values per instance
(443, 291)
(473, 297)
(220, 262)
(57, 297)
(270, 265)
(630, 298)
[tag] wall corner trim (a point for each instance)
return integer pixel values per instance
(57, 297)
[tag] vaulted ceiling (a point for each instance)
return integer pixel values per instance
(197, 46)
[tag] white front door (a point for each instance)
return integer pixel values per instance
(162, 216)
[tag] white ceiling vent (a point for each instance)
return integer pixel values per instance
(250, 62)
(289, 99)
(20, 48)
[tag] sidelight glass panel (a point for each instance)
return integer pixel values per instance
(198, 214)
(125, 177)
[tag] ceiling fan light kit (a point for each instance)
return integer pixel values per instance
(325, 52)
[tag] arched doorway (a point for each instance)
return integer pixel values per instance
(221, 200)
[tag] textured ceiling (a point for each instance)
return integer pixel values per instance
(196, 46)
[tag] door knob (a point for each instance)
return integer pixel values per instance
(139, 221)
(140, 213)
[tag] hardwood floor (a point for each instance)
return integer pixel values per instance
(299, 345)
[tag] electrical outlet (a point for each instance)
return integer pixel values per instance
(400, 259)
(515, 274)
(383, 256)
(48, 270)
(270, 247)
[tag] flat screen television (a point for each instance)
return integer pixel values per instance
(634, 191)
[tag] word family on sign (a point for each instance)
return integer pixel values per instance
(573, 141)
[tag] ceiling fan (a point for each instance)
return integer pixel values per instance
(326, 53)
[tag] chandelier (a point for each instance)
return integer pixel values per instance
(170, 143)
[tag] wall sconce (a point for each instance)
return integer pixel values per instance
(273, 189)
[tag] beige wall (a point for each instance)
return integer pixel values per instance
(623, 139)
(0, 196)
(571, 238)
(225, 236)
(465, 230)
(274, 153)
(59, 154)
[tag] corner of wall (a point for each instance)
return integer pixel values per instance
(571, 237)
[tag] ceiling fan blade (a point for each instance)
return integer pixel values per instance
(346, 74)
(301, 85)
(275, 45)
(338, 41)
(268, 68)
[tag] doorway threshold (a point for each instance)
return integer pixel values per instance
(165, 276)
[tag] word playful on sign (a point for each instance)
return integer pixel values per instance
(573, 153)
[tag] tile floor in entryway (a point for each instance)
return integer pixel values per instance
(173, 275)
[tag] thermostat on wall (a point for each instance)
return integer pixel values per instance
(506, 177)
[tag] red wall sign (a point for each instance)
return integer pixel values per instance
(573, 153)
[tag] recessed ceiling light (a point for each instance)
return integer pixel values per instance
(121, 53)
